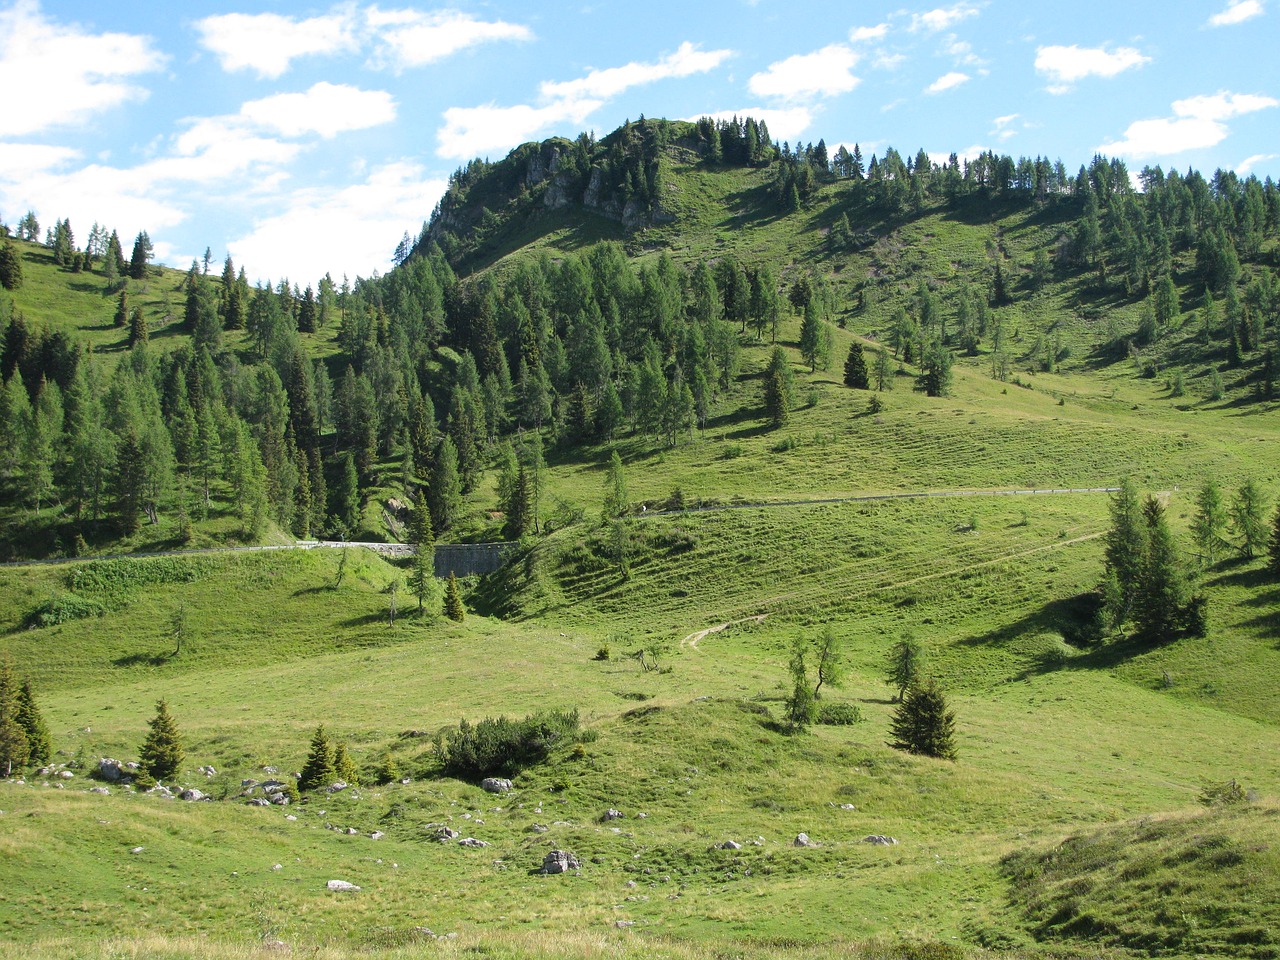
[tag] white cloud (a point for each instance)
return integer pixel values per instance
(823, 73)
(1004, 127)
(301, 242)
(948, 81)
(784, 124)
(327, 109)
(961, 51)
(1197, 123)
(685, 62)
(482, 131)
(1248, 164)
(1066, 65)
(410, 38)
(268, 43)
(19, 160)
(1237, 11)
(868, 34)
(889, 61)
(55, 74)
(942, 18)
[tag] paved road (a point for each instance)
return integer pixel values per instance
(404, 549)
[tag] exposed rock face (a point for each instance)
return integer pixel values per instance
(112, 771)
(802, 840)
(560, 861)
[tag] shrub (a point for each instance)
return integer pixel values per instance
(1227, 794)
(503, 746)
(839, 714)
(63, 608)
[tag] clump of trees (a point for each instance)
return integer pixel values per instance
(805, 704)
(24, 737)
(504, 746)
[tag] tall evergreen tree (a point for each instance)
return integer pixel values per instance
(318, 771)
(906, 665)
(855, 368)
(453, 608)
(1209, 524)
(10, 266)
(142, 253)
(27, 715)
(1248, 519)
(1161, 593)
(14, 747)
(161, 754)
(615, 489)
(1274, 546)
(1125, 550)
(924, 724)
(778, 388)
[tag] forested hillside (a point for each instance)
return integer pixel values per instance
(578, 292)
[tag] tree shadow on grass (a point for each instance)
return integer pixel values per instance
(144, 659)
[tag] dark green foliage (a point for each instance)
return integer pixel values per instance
(838, 714)
(1126, 546)
(142, 253)
(319, 770)
(1160, 590)
(504, 747)
(64, 608)
(906, 665)
(801, 706)
(923, 724)
(27, 715)
(1248, 521)
(453, 608)
(779, 388)
(1274, 548)
(161, 754)
(855, 368)
(15, 749)
(1209, 524)
(344, 768)
(615, 489)
(10, 266)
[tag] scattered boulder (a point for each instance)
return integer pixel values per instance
(472, 842)
(280, 799)
(538, 828)
(112, 771)
(624, 924)
(208, 771)
(445, 834)
(847, 806)
(559, 861)
(611, 814)
(65, 775)
(496, 785)
(161, 790)
(342, 886)
(137, 849)
(377, 835)
(729, 845)
(802, 840)
(258, 802)
(103, 790)
(336, 787)
(880, 841)
(192, 795)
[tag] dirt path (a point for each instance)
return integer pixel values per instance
(692, 639)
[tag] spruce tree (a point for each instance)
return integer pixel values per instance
(1161, 593)
(14, 747)
(318, 771)
(343, 767)
(855, 368)
(138, 332)
(10, 266)
(121, 318)
(161, 754)
(453, 608)
(1274, 548)
(27, 714)
(1125, 550)
(778, 388)
(923, 724)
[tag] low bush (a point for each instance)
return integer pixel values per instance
(839, 714)
(503, 746)
(63, 608)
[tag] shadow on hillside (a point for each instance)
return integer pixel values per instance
(144, 659)
(1232, 575)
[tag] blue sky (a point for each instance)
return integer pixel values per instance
(305, 139)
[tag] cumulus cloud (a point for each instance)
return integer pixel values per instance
(948, 81)
(300, 241)
(784, 124)
(685, 62)
(1197, 123)
(268, 43)
(943, 18)
(56, 74)
(823, 73)
(869, 34)
(481, 131)
(1237, 11)
(326, 109)
(1244, 166)
(410, 38)
(472, 131)
(1064, 66)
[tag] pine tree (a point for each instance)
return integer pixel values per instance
(121, 318)
(318, 771)
(138, 332)
(1274, 548)
(906, 665)
(453, 608)
(518, 507)
(1126, 546)
(615, 490)
(778, 388)
(343, 767)
(1248, 519)
(1161, 594)
(855, 368)
(27, 715)
(1209, 524)
(445, 490)
(815, 337)
(10, 266)
(161, 754)
(923, 724)
(14, 747)
(142, 252)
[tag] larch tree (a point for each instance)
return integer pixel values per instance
(1248, 519)
(1209, 525)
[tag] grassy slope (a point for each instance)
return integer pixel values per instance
(1053, 741)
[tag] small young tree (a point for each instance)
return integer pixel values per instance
(453, 608)
(829, 668)
(906, 665)
(27, 715)
(318, 771)
(800, 705)
(923, 724)
(161, 754)
(343, 767)
(615, 489)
